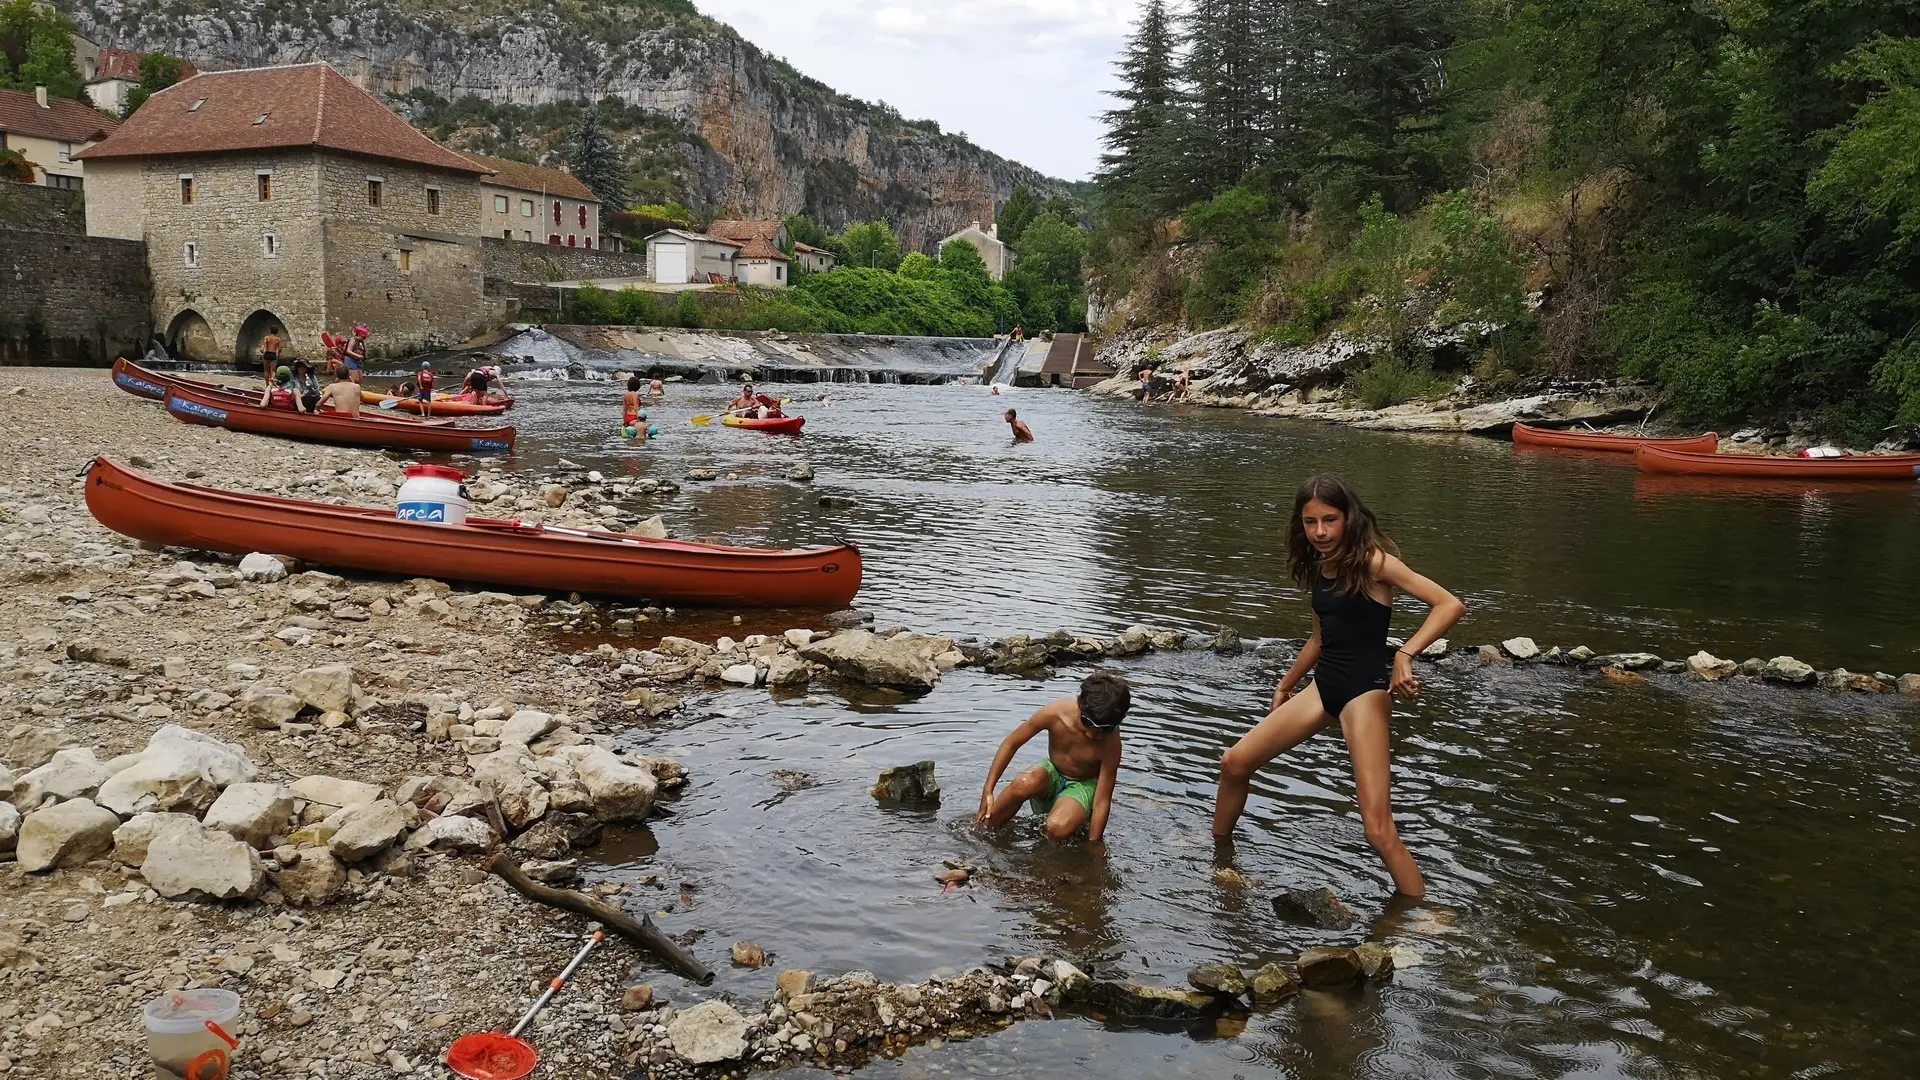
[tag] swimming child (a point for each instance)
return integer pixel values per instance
(1074, 785)
(657, 388)
(1336, 551)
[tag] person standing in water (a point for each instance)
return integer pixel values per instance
(1336, 550)
(1021, 432)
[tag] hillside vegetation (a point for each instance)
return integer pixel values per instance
(1721, 197)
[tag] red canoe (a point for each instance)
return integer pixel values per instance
(488, 552)
(776, 425)
(1653, 459)
(152, 385)
(196, 406)
(1612, 444)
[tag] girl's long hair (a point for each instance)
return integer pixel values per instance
(1353, 559)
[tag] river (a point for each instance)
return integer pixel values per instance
(1670, 880)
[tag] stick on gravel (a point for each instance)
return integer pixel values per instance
(641, 932)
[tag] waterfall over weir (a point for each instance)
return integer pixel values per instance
(766, 356)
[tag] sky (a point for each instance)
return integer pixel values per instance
(1023, 78)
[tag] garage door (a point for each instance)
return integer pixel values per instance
(670, 264)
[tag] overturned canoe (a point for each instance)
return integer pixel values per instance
(1613, 444)
(489, 552)
(442, 406)
(1653, 459)
(196, 406)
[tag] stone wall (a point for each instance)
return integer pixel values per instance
(514, 261)
(29, 206)
(70, 299)
(412, 275)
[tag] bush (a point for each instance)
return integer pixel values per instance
(686, 310)
(1390, 380)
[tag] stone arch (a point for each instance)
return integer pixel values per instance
(189, 337)
(246, 347)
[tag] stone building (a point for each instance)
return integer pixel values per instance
(987, 242)
(49, 132)
(289, 200)
(534, 204)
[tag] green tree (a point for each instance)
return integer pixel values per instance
(36, 49)
(686, 310)
(917, 266)
(804, 230)
(1048, 276)
(15, 167)
(963, 259)
(1015, 214)
(1138, 131)
(157, 72)
(871, 245)
(593, 158)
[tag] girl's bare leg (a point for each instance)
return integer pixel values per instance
(1364, 722)
(1294, 722)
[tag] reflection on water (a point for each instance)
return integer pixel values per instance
(1677, 880)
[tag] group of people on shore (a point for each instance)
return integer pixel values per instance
(1338, 554)
(298, 387)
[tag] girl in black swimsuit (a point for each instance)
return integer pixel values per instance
(1336, 550)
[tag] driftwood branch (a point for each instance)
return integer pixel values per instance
(641, 932)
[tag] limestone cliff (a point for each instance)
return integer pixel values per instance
(729, 129)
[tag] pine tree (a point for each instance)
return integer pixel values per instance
(1138, 133)
(592, 157)
(1218, 139)
(1016, 213)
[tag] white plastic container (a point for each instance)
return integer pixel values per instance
(179, 1040)
(432, 494)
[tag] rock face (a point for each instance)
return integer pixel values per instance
(203, 862)
(910, 784)
(875, 661)
(1313, 907)
(65, 834)
(708, 1033)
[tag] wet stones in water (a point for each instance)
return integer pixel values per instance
(702, 474)
(1492, 657)
(849, 619)
(1020, 656)
(1622, 677)
(800, 471)
(1579, 654)
(1908, 684)
(1637, 661)
(1150, 1002)
(1220, 980)
(1841, 680)
(909, 785)
(1271, 983)
(1376, 960)
(1785, 669)
(1329, 967)
(1520, 648)
(749, 954)
(1226, 642)
(1132, 642)
(1705, 665)
(1317, 907)
(792, 780)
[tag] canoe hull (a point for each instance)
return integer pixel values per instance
(1652, 459)
(781, 425)
(197, 407)
(440, 407)
(146, 508)
(1610, 444)
(152, 385)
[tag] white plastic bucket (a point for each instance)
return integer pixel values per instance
(432, 494)
(178, 1039)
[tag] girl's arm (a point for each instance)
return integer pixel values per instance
(1103, 792)
(1446, 611)
(1302, 664)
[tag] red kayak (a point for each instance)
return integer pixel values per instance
(491, 552)
(777, 425)
(1653, 459)
(1613, 444)
(194, 406)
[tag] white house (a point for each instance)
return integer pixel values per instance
(987, 242)
(680, 256)
(760, 263)
(812, 259)
(48, 131)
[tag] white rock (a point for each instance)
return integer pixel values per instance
(262, 567)
(788, 671)
(72, 774)
(335, 792)
(620, 792)
(30, 747)
(181, 769)
(367, 829)
(268, 706)
(130, 841)
(710, 1032)
(1710, 667)
(252, 812)
(175, 667)
(875, 661)
(184, 862)
(798, 638)
(653, 528)
(326, 689)
(525, 726)
(1520, 648)
(65, 834)
(1787, 670)
(9, 827)
(741, 675)
(452, 834)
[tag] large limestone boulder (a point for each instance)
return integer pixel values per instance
(861, 656)
(452, 834)
(368, 829)
(65, 834)
(130, 841)
(30, 747)
(267, 706)
(620, 792)
(69, 774)
(709, 1033)
(324, 689)
(9, 827)
(311, 878)
(331, 791)
(203, 862)
(525, 726)
(261, 567)
(180, 769)
(252, 812)
(1705, 665)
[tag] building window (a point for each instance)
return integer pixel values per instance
(499, 204)
(270, 246)
(66, 151)
(556, 211)
(406, 261)
(65, 183)
(583, 217)
(186, 191)
(554, 239)
(263, 184)
(779, 272)
(526, 209)
(191, 255)
(433, 200)
(527, 235)
(506, 234)
(373, 192)
(588, 242)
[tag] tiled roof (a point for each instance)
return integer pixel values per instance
(761, 248)
(809, 249)
(521, 176)
(64, 119)
(124, 64)
(703, 237)
(745, 230)
(273, 108)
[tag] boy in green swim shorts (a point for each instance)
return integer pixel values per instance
(1074, 785)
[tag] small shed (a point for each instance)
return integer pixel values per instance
(680, 257)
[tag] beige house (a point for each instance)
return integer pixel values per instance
(987, 242)
(534, 204)
(49, 131)
(680, 257)
(760, 263)
(289, 200)
(812, 259)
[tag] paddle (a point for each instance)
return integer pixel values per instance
(538, 530)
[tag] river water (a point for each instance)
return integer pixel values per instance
(1669, 880)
